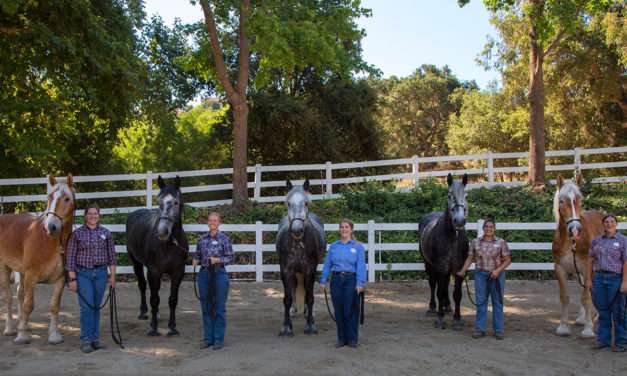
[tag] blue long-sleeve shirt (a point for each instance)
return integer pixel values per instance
(345, 257)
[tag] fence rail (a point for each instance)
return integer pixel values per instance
(373, 247)
(484, 176)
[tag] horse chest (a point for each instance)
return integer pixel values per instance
(567, 262)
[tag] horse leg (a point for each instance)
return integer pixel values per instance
(288, 282)
(458, 323)
(441, 286)
(309, 300)
(154, 280)
(141, 282)
(5, 286)
(432, 286)
(54, 337)
(447, 299)
(586, 306)
(175, 283)
(28, 291)
(562, 279)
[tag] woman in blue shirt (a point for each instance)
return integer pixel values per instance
(345, 260)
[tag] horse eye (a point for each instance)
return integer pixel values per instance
(67, 199)
(176, 202)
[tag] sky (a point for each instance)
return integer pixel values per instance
(401, 34)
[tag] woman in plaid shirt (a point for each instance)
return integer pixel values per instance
(492, 256)
(90, 251)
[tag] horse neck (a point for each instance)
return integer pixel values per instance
(448, 222)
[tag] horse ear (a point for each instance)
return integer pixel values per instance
(52, 180)
(160, 182)
(70, 180)
(579, 178)
(177, 182)
(559, 181)
(306, 185)
(449, 179)
(465, 180)
(289, 185)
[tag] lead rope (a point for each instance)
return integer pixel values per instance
(485, 300)
(574, 251)
(362, 301)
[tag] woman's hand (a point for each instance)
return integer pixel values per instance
(359, 289)
(588, 285)
(495, 274)
(73, 286)
(214, 260)
(112, 280)
(461, 273)
(623, 287)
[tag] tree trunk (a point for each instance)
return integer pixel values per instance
(537, 141)
(240, 155)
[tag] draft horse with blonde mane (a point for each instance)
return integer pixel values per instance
(33, 247)
(574, 233)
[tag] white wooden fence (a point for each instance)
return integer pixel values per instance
(485, 175)
(373, 247)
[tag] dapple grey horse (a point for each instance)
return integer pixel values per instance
(444, 248)
(300, 242)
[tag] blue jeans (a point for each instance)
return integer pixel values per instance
(611, 308)
(213, 329)
(91, 284)
(346, 307)
(487, 287)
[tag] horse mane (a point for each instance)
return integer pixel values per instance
(565, 190)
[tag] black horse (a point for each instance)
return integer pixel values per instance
(300, 242)
(156, 240)
(444, 248)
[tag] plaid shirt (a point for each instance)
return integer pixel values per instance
(489, 255)
(88, 248)
(609, 253)
(218, 246)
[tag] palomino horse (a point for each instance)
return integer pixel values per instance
(32, 246)
(575, 231)
(300, 242)
(444, 247)
(156, 240)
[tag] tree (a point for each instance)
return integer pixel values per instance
(414, 111)
(546, 25)
(277, 35)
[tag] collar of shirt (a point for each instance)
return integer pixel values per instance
(352, 241)
(493, 240)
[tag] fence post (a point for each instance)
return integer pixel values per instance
(415, 170)
(258, 252)
(329, 180)
(490, 169)
(371, 251)
(149, 189)
(577, 161)
(257, 189)
(480, 228)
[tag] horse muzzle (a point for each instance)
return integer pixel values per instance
(164, 229)
(53, 226)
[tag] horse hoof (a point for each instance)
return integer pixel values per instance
(154, 333)
(458, 325)
(587, 333)
(9, 332)
(173, 332)
(286, 332)
(55, 338)
(22, 339)
(143, 316)
(563, 331)
(311, 330)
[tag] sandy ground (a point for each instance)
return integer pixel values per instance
(397, 338)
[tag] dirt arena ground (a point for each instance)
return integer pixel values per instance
(397, 339)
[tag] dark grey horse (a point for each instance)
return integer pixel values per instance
(444, 248)
(156, 240)
(300, 242)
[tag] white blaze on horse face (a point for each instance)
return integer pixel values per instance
(297, 209)
(164, 228)
(52, 223)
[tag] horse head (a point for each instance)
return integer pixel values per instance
(457, 204)
(567, 206)
(297, 201)
(60, 206)
(170, 204)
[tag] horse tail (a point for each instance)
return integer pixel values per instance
(300, 293)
